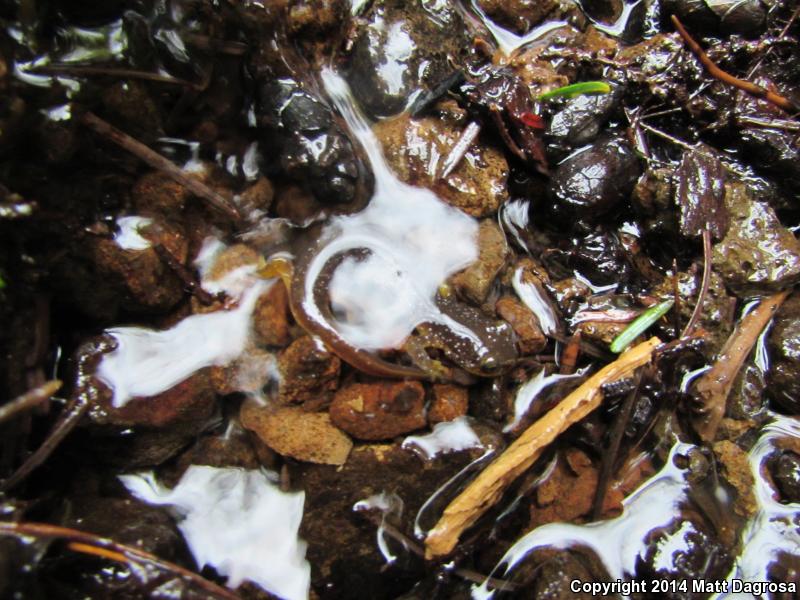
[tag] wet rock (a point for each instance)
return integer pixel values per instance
(190, 404)
(291, 431)
(747, 17)
(718, 311)
(600, 332)
(581, 119)
(417, 148)
(648, 63)
(309, 373)
(296, 205)
(102, 276)
(600, 257)
(250, 373)
(232, 448)
(401, 48)
(735, 468)
(700, 194)
(773, 153)
(747, 399)
(256, 200)
(155, 193)
(271, 317)
(132, 109)
(595, 180)
(518, 16)
(575, 478)
(313, 148)
(698, 554)
(379, 411)
(316, 17)
(556, 574)
(784, 347)
(476, 280)
(606, 11)
(758, 254)
(145, 431)
(531, 339)
(784, 466)
(449, 402)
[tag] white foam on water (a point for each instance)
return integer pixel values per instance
(238, 522)
(128, 237)
(772, 530)
(617, 542)
(390, 505)
(147, 362)
(446, 437)
(507, 41)
(414, 241)
(536, 301)
(529, 391)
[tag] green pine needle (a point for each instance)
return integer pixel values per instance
(576, 89)
(639, 325)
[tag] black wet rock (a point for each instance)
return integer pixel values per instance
(758, 254)
(314, 150)
(700, 194)
(746, 17)
(784, 348)
(595, 180)
(403, 47)
(581, 119)
(519, 15)
(784, 467)
(773, 153)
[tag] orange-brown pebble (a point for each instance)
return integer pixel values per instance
(293, 432)
(271, 317)
(524, 323)
(379, 411)
(156, 193)
(308, 373)
(449, 403)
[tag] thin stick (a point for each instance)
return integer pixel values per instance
(610, 457)
(701, 298)
(97, 71)
(72, 414)
(747, 86)
(189, 282)
(29, 399)
(88, 543)
(676, 314)
(155, 160)
(714, 386)
(488, 487)
(779, 124)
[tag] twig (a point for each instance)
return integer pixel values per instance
(97, 71)
(497, 117)
(610, 457)
(88, 543)
(460, 148)
(189, 282)
(155, 160)
(29, 399)
(701, 298)
(569, 358)
(714, 386)
(779, 124)
(72, 414)
(489, 486)
(747, 86)
(676, 314)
